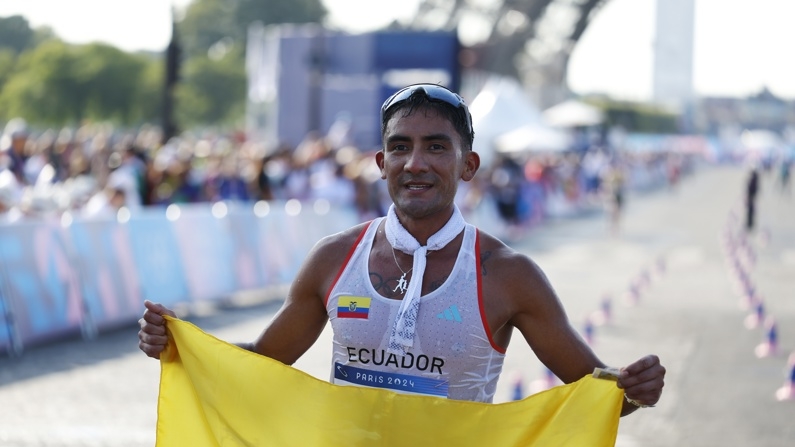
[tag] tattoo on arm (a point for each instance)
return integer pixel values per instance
(483, 258)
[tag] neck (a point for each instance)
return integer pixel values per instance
(423, 228)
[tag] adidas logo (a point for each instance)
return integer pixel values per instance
(450, 314)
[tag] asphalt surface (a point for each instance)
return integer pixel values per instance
(689, 311)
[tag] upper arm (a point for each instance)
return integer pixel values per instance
(302, 317)
(534, 309)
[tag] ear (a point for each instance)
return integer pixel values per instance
(471, 165)
(379, 160)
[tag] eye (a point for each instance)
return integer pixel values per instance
(436, 147)
(399, 148)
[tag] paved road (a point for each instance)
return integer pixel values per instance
(718, 392)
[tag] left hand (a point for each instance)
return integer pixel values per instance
(643, 380)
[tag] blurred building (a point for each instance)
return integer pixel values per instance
(713, 115)
(672, 76)
(306, 79)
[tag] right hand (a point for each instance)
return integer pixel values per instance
(152, 336)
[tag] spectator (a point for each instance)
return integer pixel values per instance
(13, 142)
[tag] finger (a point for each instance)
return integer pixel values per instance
(151, 328)
(159, 309)
(644, 363)
(153, 340)
(644, 394)
(151, 351)
(153, 318)
(651, 375)
(647, 392)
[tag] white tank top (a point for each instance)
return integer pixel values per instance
(453, 355)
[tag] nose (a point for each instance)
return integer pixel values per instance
(416, 162)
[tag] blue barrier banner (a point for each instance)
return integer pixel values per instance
(157, 258)
(5, 328)
(106, 268)
(93, 274)
(278, 245)
(206, 252)
(40, 287)
(242, 229)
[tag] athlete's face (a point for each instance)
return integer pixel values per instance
(422, 161)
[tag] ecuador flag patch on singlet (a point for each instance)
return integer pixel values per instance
(353, 307)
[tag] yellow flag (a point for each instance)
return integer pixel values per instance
(216, 394)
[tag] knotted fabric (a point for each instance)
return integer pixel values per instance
(402, 336)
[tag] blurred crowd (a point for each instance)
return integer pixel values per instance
(95, 170)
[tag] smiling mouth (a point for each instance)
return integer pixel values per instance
(417, 187)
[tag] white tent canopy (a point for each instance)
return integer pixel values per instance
(505, 119)
(573, 113)
(533, 138)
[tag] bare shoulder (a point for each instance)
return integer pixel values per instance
(502, 263)
(332, 250)
(327, 257)
(339, 244)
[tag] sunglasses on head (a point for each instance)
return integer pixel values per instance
(432, 91)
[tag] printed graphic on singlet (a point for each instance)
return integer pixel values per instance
(450, 314)
(404, 383)
(353, 307)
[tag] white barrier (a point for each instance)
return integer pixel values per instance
(59, 277)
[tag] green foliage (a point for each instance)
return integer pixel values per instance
(60, 84)
(638, 117)
(108, 77)
(42, 88)
(213, 85)
(48, 82)
(208, 22)
(15, 34)
(7, 61)
(211, 91)
(147, 105)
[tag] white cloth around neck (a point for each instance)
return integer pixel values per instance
(402, 336)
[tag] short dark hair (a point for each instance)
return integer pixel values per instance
(434, 97)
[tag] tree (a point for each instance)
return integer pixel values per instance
(211, 91)
(58, 84)
(208, 22)
(109, 79)
(213, 37)
(42, 87)
(16, 34)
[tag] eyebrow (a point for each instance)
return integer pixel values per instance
(431, 137)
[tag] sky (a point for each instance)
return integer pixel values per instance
(740, 46)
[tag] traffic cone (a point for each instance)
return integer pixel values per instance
(787, 392)
(754, 319)
(748, 297)
(769, 347)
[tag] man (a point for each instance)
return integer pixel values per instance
(420, 301)
(751, 192)
(13, 144)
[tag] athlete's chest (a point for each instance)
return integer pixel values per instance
(390, 275)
